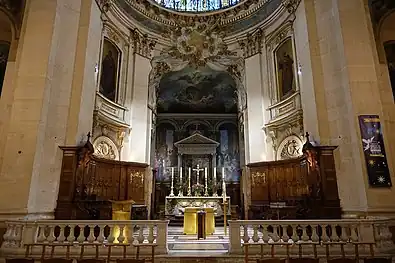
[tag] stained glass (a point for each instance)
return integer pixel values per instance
(197, 5)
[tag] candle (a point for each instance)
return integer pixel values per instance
(205, 175)
(223, 173)
(215, 175)
(180, 175)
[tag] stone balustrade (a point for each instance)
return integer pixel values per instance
(95, 236)
(317, 238)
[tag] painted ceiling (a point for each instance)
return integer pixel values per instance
(194, 90)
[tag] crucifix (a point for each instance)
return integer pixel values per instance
(197, 170)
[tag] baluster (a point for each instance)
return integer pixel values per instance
(51, 237)
(354, 235)
(285, 236)
(8, 233)
(275, 236)
(305, 237)
(140, 238)
(344, 234)
(151, 237)
(121, 237)
(81, 236)
(295, 237)
(265, 234)
(314, 234)
(334, 236)
(246, 237)
(61, 237)
(91, 236)
(41, 234)
(324, 237)
(111, 238)
(255, 237)
(71, 237)
(100, 238)
(130, 234)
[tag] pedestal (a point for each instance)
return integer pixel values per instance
(121, 210)
(201, 225)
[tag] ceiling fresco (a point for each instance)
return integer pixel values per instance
(199, 90)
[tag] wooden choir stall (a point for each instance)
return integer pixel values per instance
(94, 188)
(300, 188)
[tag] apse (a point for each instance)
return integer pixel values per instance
(197, 90)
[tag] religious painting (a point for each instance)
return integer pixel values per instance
(4, 50)
(228, 153)
(200, 90)
(109, 70)
(390, 54)
(285, 69)
(374, 151)
(166, 152)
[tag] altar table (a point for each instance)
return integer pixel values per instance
(190, 220)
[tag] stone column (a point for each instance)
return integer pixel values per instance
(141, 115)
(42, 104)
(344, 50)
(254, 135)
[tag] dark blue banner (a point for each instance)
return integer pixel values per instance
(374, 151)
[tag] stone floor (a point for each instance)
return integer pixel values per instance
(188, 245)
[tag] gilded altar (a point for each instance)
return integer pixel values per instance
(176, 205)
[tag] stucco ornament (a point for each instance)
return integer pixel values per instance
(197, 44)
(105, 148)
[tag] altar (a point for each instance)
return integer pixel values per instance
(175, 205)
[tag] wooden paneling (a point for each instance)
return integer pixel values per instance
(306, 187)
(87, 184)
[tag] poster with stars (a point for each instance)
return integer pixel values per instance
(373, 148)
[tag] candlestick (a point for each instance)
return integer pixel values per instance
(172, 181)
(215, 182)
(205, 182)
(223, 184)
(181, 190)
(189, 181)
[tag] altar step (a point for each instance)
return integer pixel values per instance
(178, 221)
(188, 245)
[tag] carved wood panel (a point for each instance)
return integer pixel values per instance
(88, 183)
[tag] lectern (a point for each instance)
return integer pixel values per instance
(121, 210)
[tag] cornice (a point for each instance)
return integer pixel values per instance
(160, 20)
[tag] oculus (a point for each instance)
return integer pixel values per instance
(197, 5)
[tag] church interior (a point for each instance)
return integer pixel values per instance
(197, 131)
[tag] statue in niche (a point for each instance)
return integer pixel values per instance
(390, 54)
(4, 50)
(109, 74)
(285, 69)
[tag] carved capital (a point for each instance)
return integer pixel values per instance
(252, 44)
(104, 5)
(142, 44)
(291, 5)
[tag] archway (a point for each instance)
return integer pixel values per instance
(197, 100)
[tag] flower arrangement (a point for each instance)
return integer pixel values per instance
(197, 189)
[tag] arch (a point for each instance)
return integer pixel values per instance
(8, 18)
